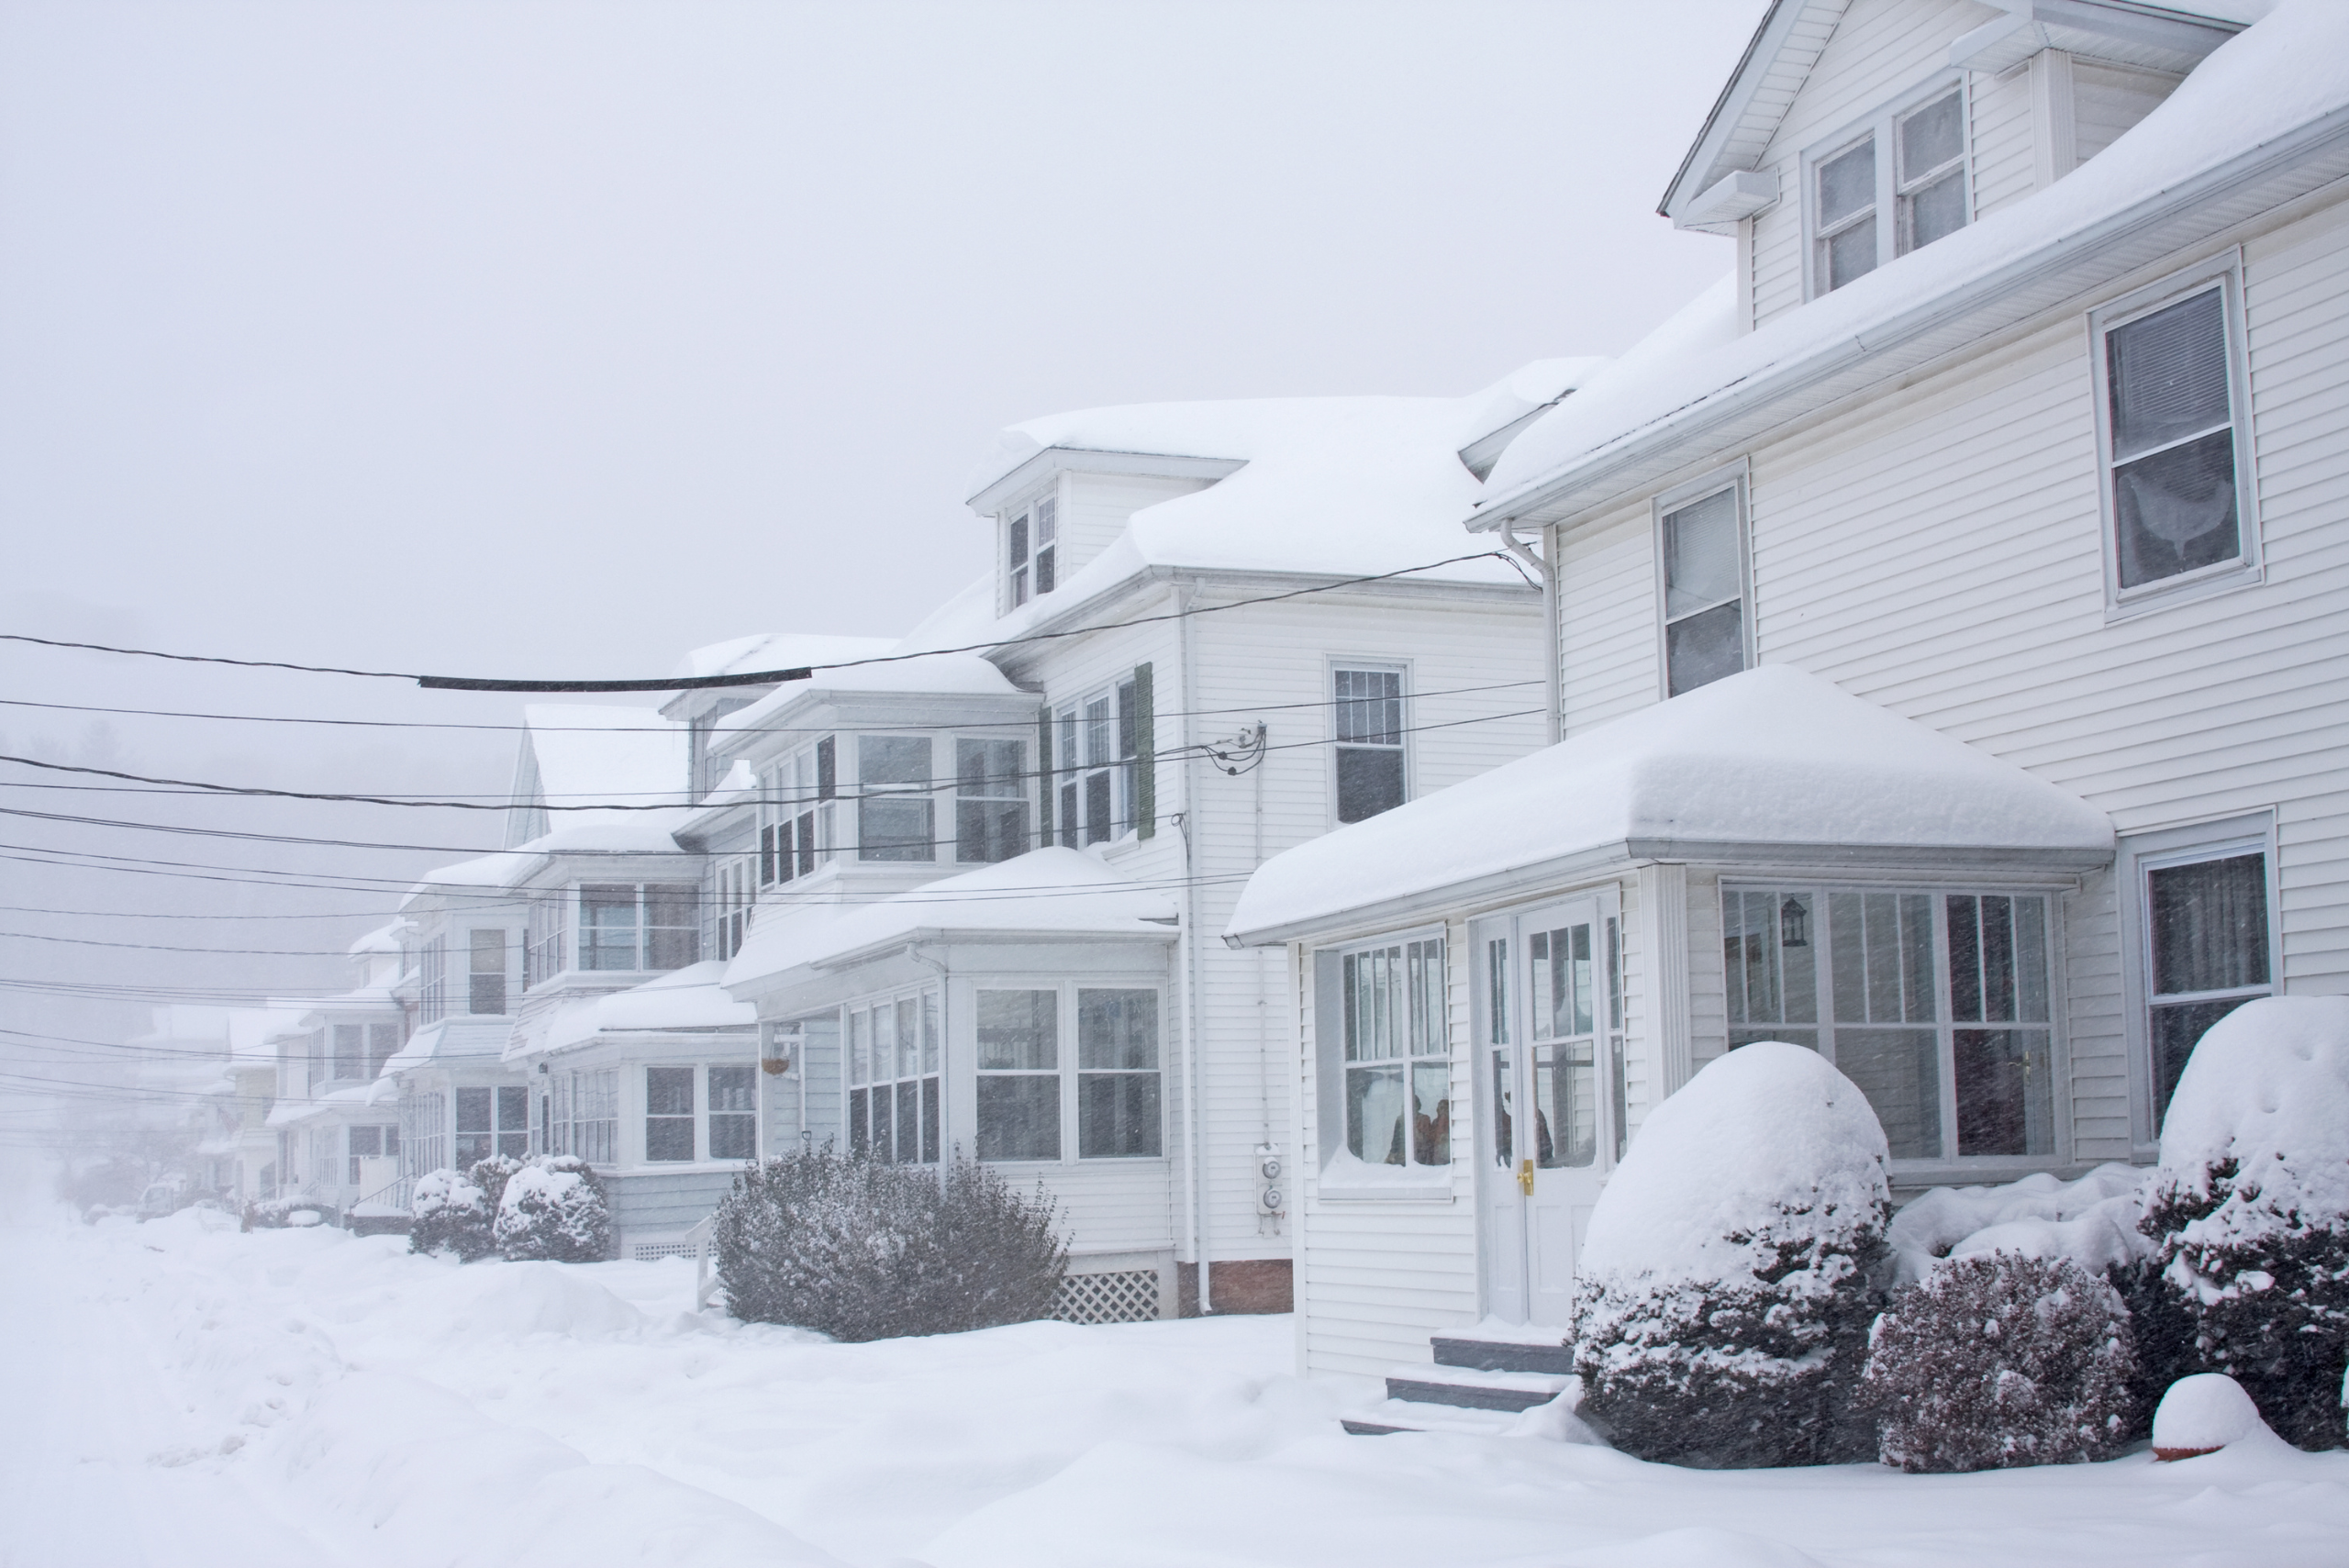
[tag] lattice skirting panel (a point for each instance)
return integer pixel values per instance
(1129, 1295)
(645, 1251)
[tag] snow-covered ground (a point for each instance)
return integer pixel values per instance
(177, 1395)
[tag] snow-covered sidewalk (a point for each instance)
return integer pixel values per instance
(186, 1395)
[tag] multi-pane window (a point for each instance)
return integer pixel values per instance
(1117, 1073)
(894, 814)
(485, 972)
(424, 1136)
(1703, 549)
(789, 821)
(2171, 441)
(1398, 1054)
(1019, 1073)
(542, 954)
(583, 1115)
(1867, 208)
(1369, 731)
(894, 1101)
(732, 904)
(668, 1114)
(2207, 935)
(625, 925)
(1937, 1005)
(1097, 749)
(1030, 549)
(733, 1110)
(370, 1143)
(990, 800)
(493, 1121)
(1561, 1012)
(432, 994)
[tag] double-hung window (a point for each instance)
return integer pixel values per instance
(485, 972)
(668, 1114)
(1895, 184)
(1369, 731)
(896, 817)
(894, 1099)
(584, 1115)
(990, 800)
(1031, 539)
(1700, 542)
(734, 893)
(543, 953)
(2206, 947)
(1398, 1054)
(1019, 1076)
(629, 926)
(733, 1110)
(432, 997)
(1117, 1112)
(798, 804)
(1938, 1006)
(1030, 1093)
(493, 1121)
(2177, 456)
(1097, 747)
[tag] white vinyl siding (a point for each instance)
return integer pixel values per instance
(2108, 100)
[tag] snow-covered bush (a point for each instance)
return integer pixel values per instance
(278, 1212)
(1997, 1359)
(553, 1208)
(450, 1214)
(2250, 1209)
(860, 1250)
(491, 1176)
(1731, 1268)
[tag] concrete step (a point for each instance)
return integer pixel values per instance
(1389, 1416)
(1474, 1388)
(1549, 1356)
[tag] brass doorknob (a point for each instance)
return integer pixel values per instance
(1525, 1177)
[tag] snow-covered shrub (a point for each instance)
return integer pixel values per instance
(860, 1250)
(553, 1208)
(1731, 1268)
(491, 1176)
(450, 1214)
(278, 1212)
(2250, 1208)
(1997, 1359)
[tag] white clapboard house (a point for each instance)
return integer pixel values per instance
(1950, 646)
(336, 1117)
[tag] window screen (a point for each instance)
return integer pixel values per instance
(2173, 448)
(1704, 604)
(2208, 934)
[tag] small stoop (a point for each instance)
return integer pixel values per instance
(1475, 1386)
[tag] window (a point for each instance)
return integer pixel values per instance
(493, 1121)
(894, 813)
(805, 785)
(734, 1111)
(432, 998)
(2206, 951)
(1398, 1054)
(350, 1051)
(1116, 1077)
(1937, 1005)
(990, 800)
(424, 1133)
(668, 1114)
(372, 1143)
(1100, 763)
(1018, 1069)
(2176, 459)
(1369, 729)
(584, 1115)
(628, 927)
(487, 993)
(1866, 207)
(894, 1083)
(1702, 545)
(542, 954)
(732, 904)
(1030, 538)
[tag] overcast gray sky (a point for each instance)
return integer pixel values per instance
(552, 340)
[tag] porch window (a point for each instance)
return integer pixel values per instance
(894, 1083)
(1116, 1075)
(734, 1111)
(1369, 731)
(894, 814)
(668, 1114)
(628, 927)
(990, 800)
(486, 974)
(2207, 929)
(424, 1133)
(1703, 548)
(1018, 1073)
(584, 1115)
(372, 1143)
(1398, 1054)
(493, 1121)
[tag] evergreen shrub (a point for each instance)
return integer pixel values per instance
(862, 1249)
(553, 1208)
(1997, 1359)
(451, 1214)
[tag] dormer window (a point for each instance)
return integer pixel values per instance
(1896, 184)
(1029, 549)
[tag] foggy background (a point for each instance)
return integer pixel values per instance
(552, 341)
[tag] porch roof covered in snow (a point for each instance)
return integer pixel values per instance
(1773, 766)
(453, 1042)
(687, 1001)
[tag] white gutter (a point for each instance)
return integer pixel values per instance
(1552, 638)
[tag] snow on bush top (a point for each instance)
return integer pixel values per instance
(2092, 1221)
(437, 1190)
(536, 1180)
(1768, 1130)
(2268, 1087)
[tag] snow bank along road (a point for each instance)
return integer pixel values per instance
(177, 1395)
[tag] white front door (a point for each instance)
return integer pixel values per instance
(1549, 1043)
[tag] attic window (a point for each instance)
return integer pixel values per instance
(1899, 183)
(1030, 551)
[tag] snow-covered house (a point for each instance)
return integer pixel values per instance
(973, 884)
(1948, 615)
(336, 1117)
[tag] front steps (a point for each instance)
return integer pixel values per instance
(1476, 1386)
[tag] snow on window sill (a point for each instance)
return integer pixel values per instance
(1346, 1178)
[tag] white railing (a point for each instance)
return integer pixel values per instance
(705, 1284)
(393, 1194)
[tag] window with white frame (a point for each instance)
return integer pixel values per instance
(1117, 1112)
(895, 815)
(2176, 457)
(350, 1051)
(1889, 188)
(485, 972)
(1700, 543)
(1367, 705)
(432, 996)
(1032, 1095)
(794, 822)
(543, 952)
(668, 1115)
(733, 1130)
(990, 800)
(583, 1115)
(1019, 1076)
(1030, 548)
(1096, 748)
(1938, 1006)
(493, 1120)
(1398, 1054)
(370, 1143)
(631, 926)
(732, 902)
(424, 1133)
(2206, 949)
(894, 1099)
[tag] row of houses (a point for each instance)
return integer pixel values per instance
(1334, 825)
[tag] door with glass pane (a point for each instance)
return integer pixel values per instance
(1549, 1029)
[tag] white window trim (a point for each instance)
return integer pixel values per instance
(1331, 664)
(1326, 970)
(1881, 124)
(1123, 824)
(940, 785)
(1068, 1070)
(873, 1002)
(2140, 854)
(635, 1098)
(951, 832)
(1026, 507)
(2250, 568)
(1736, 476)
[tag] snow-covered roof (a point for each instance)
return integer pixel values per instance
(383, 938)
(451, 1041)
(941, 675)
(1046, 893)
(686, 999)
(1772, 759)
(2259, 107)
(777, 650)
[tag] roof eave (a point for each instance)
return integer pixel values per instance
(1035, 468)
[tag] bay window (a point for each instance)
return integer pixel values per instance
(733, 1110)
(432, 996)
(894, 814)
(1118, 1114)
(1098, 752)
(895, 1100)
(583, 1115)
(731, 904)
(493, 1121)
(543, 948)
(1018, 1069)
(800, 804)
(485, 972)
(350, 1051)
(668, 1114)
(1396, 1054)
(625, 925)
(990, 800)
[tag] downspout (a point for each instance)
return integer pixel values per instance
(1194, 1190)
(1551, 651)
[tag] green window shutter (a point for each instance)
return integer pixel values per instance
(1044, 778)
(1145, 755)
